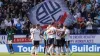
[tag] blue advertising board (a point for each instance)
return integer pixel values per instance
(73, 47)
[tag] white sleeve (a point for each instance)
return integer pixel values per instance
(33, 31)
(30, 31)
(67, 32)
(87, 23)
(55, 29)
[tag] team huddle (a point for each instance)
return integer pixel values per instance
(56, 37)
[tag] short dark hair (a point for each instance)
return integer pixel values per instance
(65, 26)
(38, 25)
(33, 26)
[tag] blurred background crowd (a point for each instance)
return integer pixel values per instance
(13, 13)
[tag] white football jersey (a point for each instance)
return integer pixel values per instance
(36, 34)
(51, 32)
(67, 32)
(59, 33)
(31, 32)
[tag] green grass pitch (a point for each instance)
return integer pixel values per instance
(41, 54)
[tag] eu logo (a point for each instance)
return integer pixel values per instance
(47, 11)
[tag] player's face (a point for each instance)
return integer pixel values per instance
(37, 27)
(33, 26)
(64, 27)
(58, 26)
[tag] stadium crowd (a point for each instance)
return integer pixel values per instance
(13, 13)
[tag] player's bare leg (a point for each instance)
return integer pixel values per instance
(63, 50)
(53, 50)
(49, 52)
(36, 49)
(57, 51)
(33, 51)
(33, 54)
(11, 47)
(46, 49)
(69, 52)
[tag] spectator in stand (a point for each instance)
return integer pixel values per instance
(7, 22)
(17, 11)
(27, 26)
(1, 19)
(89, 16)
(97, 20)
(13, 10)
(19, 28)
(76, 28)
(1, 3)
(81, 25)
(15, 19)
(84, 13)
(88, 7)
(89, 26)
(24, 0)
(23, 12)
(93, 14)
(22, 21)
(3, 28)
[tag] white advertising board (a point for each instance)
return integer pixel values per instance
(74, 39)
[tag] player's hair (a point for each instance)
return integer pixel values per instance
(33, 26)
(38, 25)
(61, 26)
(65, 26)
(58, 26)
